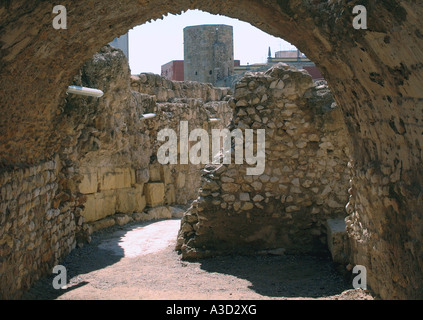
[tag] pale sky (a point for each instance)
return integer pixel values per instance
(155, 43)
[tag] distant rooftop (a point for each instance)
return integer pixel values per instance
(289, 54)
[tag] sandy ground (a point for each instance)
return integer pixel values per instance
(137, 261)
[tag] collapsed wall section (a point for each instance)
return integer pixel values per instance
(304, 183)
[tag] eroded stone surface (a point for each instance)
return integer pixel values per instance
(102, 174)
(305, 178)
(375, 76)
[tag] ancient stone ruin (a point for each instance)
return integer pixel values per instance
(304, 183)
(107, 171)
(71, 165)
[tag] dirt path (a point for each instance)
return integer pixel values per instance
(137, 261)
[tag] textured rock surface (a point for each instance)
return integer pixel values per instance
(304, 182)
(35, 232)
(174, 102)
(374, 74)
(103, 174)
(213, 60)
(117, 148)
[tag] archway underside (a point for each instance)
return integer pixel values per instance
(374, 74)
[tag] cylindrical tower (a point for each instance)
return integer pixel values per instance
(208, 53)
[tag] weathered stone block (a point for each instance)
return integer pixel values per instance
(115, 178)
(126, 200)
(99, 205)
(125, 177)
(161, 212)
(154, 194)
(102, 224)
(230, 187)
(142, 176)
(140, 216)
(89, 183)
(107, 179)
(122, 219)
(89, 208)
(155, 174)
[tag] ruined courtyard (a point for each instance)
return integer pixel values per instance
(340, 185)
(138, 262)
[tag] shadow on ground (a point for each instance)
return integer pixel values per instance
(89, 258)
(283, 276)
(139, 260)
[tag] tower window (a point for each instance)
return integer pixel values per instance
(210, 72)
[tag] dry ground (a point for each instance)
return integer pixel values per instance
(137, 261)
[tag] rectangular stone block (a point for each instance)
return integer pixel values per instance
(89, 183)
(139, 188)
(130, 200)
(104, 223)
(107, 179)
(126, 200)
(155, 175)
(161, 212)
(99, 205)
(115, 178)
(106, 204)
(154, 194)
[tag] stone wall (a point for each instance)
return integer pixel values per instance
(104, 172)
(121, 178)
(167, 90)
(380, 95)
(194, 102)
(35, 233)
(304, 183)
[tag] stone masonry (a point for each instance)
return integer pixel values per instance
(124, 177)
(374, 74)
(104, 172)
(208, 53)
(304, 183)
(34, 233)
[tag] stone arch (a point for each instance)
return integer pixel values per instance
(375, 76)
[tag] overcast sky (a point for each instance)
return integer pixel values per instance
(155, 43)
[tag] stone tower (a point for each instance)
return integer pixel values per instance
(208, 53)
